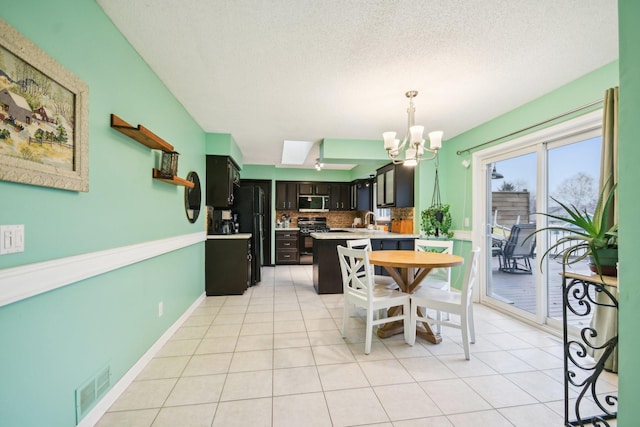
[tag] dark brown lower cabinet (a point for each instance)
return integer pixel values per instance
(287, 251)
(227, 266)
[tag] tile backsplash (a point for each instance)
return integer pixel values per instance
(342, 219)
(335, 219)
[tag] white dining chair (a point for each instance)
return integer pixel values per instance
(378, 279)
(438, 278)
(449, 302)
(360, 291)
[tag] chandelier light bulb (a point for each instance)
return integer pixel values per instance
(435, 139)
(416, 133)
(389, 138)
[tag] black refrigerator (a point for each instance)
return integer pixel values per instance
(248, 204)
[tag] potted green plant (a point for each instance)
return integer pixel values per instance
(436, 221)
(586, 236)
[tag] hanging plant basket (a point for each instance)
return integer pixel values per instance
(436, 221)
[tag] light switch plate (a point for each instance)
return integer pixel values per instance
(11, 239)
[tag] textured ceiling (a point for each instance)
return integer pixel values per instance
(266, 71)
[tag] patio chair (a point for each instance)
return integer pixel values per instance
(359, 290)
(516, 253)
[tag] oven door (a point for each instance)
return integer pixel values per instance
(306, 247)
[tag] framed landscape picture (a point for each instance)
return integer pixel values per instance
(43, 117)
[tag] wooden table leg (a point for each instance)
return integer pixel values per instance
(427, 333)
(393, 328)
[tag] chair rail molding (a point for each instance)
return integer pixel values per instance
(18, 283)
(463, 235)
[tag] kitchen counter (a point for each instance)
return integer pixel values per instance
(361, 233)
(287, 228)
(228, 236)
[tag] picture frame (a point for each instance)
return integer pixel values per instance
(44, 110)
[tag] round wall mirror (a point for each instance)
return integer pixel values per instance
(192, 197)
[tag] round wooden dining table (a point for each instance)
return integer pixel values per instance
(408, 269)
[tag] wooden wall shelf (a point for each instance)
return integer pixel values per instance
(141, 134)
(149, 139)
(176, 180)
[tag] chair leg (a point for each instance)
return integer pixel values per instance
(409, 324)
(472, 328)
(413, 320)
(464, 325)
(368, 332)
(439, 322)
(380, 314)
(345, 318)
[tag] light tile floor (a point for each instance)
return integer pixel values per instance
(275, 357)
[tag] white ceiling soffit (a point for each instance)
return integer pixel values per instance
(295, 152)
(304, 70)
(327, 166)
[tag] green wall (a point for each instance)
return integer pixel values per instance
(361, 151)
(223, 144)
(454, 178)
(53, 342)
(629, 205)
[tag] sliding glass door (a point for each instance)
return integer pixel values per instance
(511, 204)
(517, 180)
(573, 179)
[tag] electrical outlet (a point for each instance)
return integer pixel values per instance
(466, 222)
(160, 309)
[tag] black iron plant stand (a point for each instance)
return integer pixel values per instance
(581, 296)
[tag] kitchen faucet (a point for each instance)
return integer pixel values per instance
(375, 221)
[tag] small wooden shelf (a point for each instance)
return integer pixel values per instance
(176, 180)
(141, 134)
(149, 139)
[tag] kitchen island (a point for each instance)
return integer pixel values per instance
(327, 278)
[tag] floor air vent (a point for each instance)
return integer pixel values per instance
(88, 394)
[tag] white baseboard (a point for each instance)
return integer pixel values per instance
(22, 282)
(103, 406)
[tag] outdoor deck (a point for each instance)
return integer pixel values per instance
(520, 289)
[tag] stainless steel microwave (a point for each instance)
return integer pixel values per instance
(313, 203)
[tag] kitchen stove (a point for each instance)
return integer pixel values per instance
(312, 224)
(308, 225)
